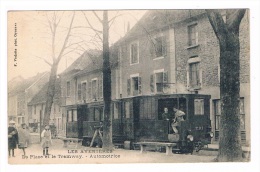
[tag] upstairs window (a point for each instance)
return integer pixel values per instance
(160, 46)
(134, 86)
(79, 91)
(192, 35)
(68, 89)
(84, 91)
(134, 53)
(194, 75)
(94, 88)
(158, 82)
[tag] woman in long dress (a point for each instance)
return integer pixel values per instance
(46, 139)
(12, 138)
(24, 138)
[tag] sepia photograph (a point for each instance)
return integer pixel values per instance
(129, 86)
(134, 86)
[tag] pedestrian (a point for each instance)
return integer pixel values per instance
(24, 138)
(178, 118)
(12, 138)
(168, 116)
(46, 139)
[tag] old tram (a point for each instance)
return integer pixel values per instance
(138, 119)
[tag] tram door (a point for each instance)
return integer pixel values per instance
(170, 103)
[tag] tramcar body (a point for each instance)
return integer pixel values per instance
(138, 119)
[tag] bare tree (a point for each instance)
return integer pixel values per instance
(228, 36)
(53, 23)
(106, 24)
(107, 136)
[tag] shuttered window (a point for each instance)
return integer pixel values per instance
(84, 91)
(79, 91)
(68, 89)
(134, 56)
(192, 35)
(194, 75)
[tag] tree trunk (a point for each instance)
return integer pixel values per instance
(230, 139)
(230, 148)
(50, 94)
(107, 129)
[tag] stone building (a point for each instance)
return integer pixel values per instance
(20, 93)
(177, 52)
(36, 108)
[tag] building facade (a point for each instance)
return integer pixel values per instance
(177, 52)
(81, 88)
(167, 52)
(36, 109)
(20, 93)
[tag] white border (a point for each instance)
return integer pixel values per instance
(252, 166)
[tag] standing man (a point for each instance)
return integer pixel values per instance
(12, 138)
(168, 116)
(178, 117)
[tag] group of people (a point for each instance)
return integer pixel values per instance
(174, 118)
(21, 137)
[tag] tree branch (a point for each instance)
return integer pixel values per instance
(44, 60)
(234, 18)
(99, 19)
(95, 30)
(66, 39)
(76, 43)
(217, 23)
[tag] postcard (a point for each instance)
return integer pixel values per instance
(129, 86)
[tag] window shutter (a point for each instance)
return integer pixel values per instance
(165, 77)
(164, 46)
(89, 90)
(139, 85)
(200, 76)
(152, 47)
(79, 91)
(197, 36)
(128, 87)
(188, 77)
(101, 87)
(165, 81)
(152, 83)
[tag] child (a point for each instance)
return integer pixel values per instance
(46, 139)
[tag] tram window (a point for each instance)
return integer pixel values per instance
(198, 107)
(97, 114)
(116, 111)
(91, 114)
(75, 116)
(69, 116)
(127, 109)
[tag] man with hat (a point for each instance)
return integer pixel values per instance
(12, 138)
(177, 119)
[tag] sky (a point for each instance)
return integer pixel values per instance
(30, 38)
